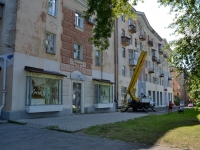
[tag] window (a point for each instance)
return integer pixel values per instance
(103, 93)
(149, 51)
(123, 32)
(123, 52)
(131, 72)
(123, 92)
(135, 42)
(78, 52)
(130, 54)
(141, 47)
(97, 58)
(178, 87)
(149, 78)
(43, 90)
(123, 70)
(129, 22)
(52, 7)
(78, 20)
(123, 18)
(131, 40)
(146, 79)
(50, 43)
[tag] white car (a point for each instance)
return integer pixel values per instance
(190, 105)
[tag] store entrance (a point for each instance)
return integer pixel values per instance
(76, 98)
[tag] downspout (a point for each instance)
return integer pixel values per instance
(4, 83)
(116, 60)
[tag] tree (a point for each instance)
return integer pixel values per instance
(177, 100)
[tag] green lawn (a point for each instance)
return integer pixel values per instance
(177, 130)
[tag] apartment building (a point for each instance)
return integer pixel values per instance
(134, 36)
(48, 66)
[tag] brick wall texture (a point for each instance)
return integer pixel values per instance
(70, 36)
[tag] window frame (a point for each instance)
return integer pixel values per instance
(97, 58)
(79, 20)
(80, 54)
(123, 52)
(123, 70)
(49, 42)
(53, 6)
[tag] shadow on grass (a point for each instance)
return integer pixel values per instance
(176, 130)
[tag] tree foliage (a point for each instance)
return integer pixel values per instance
(104, 13)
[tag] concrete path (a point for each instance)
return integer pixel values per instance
(77, 122)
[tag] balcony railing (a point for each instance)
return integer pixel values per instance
(125, 40)
(154, 58)
(142, 37)
(158, 61)
(132, 62)
(161, 75)
(150, 43)
(151, 70)
(132, 28)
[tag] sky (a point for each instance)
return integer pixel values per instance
(158, 17)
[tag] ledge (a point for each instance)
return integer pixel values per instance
(43, 108)
(103, 105)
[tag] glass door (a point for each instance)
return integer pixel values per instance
(76, 98)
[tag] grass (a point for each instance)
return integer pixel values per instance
(176, 130)
(16, 122)
(56, 128)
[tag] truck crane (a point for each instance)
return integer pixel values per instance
(144, 102)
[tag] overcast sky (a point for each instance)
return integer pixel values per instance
(158, 17)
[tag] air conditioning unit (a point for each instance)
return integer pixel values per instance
(91, 21)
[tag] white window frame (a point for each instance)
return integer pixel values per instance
(52, 4)
(79, 21)
(50, 43)
(78, 51)
(123, 70)
(98, 58)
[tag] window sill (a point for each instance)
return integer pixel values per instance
(43, 108)
(52, 15)
(50, 53)
(79, 28)
(102, 105)
(78, 61)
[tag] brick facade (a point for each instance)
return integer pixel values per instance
(70, 36)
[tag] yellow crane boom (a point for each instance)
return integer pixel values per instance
(131, 90)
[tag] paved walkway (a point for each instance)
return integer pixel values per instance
(77, 122)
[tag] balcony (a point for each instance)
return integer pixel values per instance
(132, 28)
(169, 78)
(150, 43)
(154, 58)
(125, 40)
(151, 70)
(154, 49)
(132, 62)
(161, 75)
(165, 55)
(171, 70)
(142, 37)
(158, 61)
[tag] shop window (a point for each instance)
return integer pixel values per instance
(50, 43)
(52, 7)
(44, 91)
(103, 93)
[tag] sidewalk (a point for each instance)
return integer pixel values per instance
(77, 122)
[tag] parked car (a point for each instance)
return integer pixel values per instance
(190, 105)
(182, 103)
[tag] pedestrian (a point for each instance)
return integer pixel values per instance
(170, 107)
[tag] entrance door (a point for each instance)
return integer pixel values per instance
(76, 98)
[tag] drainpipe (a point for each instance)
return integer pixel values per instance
(4, 83)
